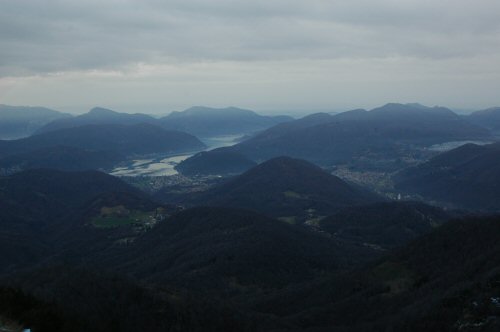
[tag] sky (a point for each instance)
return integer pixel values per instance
(273, 56)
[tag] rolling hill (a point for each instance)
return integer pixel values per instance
(230, 251)
(215, 162)
(466, 177)
(61, 158)
(286, 187)
(447, 280)
(384, 225)
(488, 118)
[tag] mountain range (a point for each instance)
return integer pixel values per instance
(199, 121)
(21, 121)
(389, 133)
(129, 140)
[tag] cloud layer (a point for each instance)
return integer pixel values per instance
(154, 38)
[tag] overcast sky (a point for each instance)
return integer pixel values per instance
(155, 56)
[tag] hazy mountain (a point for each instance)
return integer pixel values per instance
(205, 121)
(468, 176)
(388, 132)
(488, 118)
(215, 162)
(128, 140)
(21, 121)
(384, 225)
(61, 158)
(287, 187)
(98, 116)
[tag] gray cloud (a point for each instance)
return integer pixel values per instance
(54, 36)
(158, 55)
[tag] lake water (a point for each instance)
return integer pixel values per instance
(442, 147)
(164, 166)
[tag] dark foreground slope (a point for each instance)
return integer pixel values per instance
(285, 186)
(448, 280)
(467, 177)
(37, 206)
(384, 225)
(229, 252)
(64, 299)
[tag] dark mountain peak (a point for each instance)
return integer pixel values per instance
(285, 186)
(288, 170)
(286, 165)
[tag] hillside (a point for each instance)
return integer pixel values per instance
(445, 177)
(97, 116)
(447, 280)
(384, 225)
(488, 118)
(230, 252)
(286, 187)
(21, 121)
(389, 133)
(60, 158)
(127, 140)
(38, 205)
(102, 302)
(215, 162)
(205, 121)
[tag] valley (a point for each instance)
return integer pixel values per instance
(345, 220)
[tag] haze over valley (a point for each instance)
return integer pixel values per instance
(249, 166)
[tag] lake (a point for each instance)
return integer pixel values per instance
(164, 166)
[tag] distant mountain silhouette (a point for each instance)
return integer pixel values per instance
(488, 118)
(128, 140)
(98, 116)
(285, 186)
(60, 158)
(205, 121)
(21, 121)
(382, 133)
(468, 177)
(215, 162)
